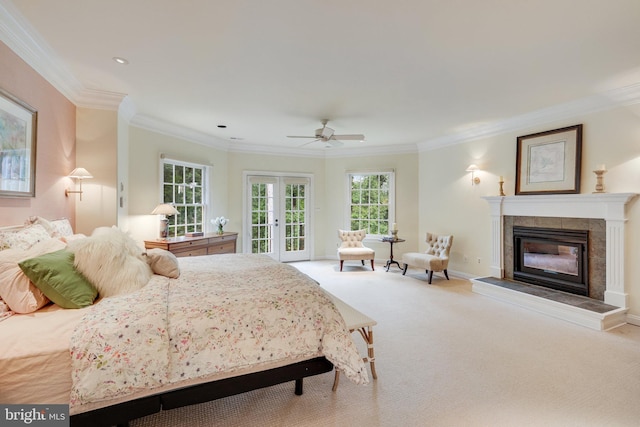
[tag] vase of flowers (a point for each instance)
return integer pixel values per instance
(220, 222)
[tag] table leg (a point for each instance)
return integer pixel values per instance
(391, 261)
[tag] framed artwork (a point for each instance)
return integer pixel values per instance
(18, 129)
(549, 162)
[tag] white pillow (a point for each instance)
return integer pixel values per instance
(24, 238)
(111, 261)
(62, 227)
(163, 262)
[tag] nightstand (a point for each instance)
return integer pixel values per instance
(208, 244)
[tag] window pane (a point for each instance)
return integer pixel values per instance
(184, 186)
(168, 172)
(370, 202)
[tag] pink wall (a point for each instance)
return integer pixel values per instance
(55, 145)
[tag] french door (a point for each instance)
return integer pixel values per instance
(277, 219)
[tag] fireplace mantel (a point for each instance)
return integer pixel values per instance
(608, 206)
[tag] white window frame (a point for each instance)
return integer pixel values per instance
(206, 173)
(392, 198)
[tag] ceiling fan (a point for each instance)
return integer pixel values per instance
(326, 135)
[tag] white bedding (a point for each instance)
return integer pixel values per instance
(35, 364)
(215, 319)
(174, 333)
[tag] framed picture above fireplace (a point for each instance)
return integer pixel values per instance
(549, 162)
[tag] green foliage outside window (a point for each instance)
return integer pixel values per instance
(183, 186)
(370, 201)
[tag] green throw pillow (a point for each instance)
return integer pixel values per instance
(55, 275)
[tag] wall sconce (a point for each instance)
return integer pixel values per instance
(474, 179)
(79, 174)
(165, 210)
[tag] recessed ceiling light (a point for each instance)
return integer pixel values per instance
(120, 60)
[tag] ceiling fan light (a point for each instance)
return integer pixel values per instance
(327, 132)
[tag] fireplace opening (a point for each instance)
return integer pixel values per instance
(553, 258)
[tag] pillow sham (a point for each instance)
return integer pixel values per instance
(5, 311)
(55, 275)
(163, 262)
(16, 289)
(111, 261)
(55, 228)
(41, 221)
(23, 238)
(62, 227)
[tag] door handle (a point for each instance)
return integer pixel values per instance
(276, 222)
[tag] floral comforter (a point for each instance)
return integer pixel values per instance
(224, 313)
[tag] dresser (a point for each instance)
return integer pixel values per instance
(210, 243)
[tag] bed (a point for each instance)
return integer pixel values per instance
(225, 325)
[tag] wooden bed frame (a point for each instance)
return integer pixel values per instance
(122, 413)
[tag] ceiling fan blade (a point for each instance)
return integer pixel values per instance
(354, 137)
(295, 136)
(332, 143)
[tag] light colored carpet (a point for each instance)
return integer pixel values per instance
(448, 357)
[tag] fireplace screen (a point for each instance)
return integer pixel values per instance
(553, 258)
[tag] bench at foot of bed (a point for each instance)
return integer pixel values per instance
(357, 321)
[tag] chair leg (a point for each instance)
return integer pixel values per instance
(362, 262)
(341, 262)
(404, 271)
(430, 273)
(446, 274)
(372, 268)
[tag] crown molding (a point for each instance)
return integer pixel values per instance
(176, 131)
(127, 109)
(619, 97)
(275, 151)
(372, 151)
(21, 37)
(25, 41)
(323, 153)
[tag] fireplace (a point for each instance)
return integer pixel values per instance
(608, 209)
(602, 214)
(553, 258)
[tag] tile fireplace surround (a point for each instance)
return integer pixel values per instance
(611, 207)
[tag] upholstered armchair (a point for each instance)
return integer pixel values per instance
(435, 258)
(352, 248)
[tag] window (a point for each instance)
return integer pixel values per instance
(184, 186)
(371, 201)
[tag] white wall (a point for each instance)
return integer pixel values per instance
(448, 202)
(241, 162)
(144, 192)
(434, 193)
(407, 213)
(328, 175)
(96, 151)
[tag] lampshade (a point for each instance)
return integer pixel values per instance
(473, 169)
(80, 173)
(165, 209)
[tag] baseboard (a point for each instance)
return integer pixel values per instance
(462, 274)
(633, 319)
